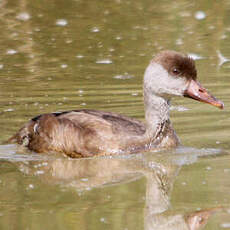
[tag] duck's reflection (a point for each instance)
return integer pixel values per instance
(97, 172)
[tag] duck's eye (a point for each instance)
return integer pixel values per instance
(176, 71)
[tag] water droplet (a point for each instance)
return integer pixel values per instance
(61, 22)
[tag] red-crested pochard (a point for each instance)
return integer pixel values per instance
(85, 133)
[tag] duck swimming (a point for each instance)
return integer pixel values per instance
(86, 133)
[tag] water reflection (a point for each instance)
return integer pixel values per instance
(58, 56)
(160, 173)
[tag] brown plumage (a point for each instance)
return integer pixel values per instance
(177, 64)
(85, 133)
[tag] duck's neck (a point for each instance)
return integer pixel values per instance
(156, 113)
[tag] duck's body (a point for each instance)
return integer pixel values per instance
(84, 133)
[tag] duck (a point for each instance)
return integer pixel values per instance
(87, 133)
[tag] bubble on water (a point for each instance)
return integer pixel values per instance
(200, 15)
(24, 16)
(11, 51)
(104, 61)
(61, 22)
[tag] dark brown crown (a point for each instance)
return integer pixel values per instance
(177, 64)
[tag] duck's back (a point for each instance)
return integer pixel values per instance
(79, 133)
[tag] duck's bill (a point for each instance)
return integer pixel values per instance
(197, 92)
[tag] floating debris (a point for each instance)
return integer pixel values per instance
(123, 77)
(11, 51)
(200, 15)
(225, 225)
(222, 59)
(31, 186)
(9, 110)
(208, 168)
(79, 56)
(61, 22)
(118, 38)
(179, 108)
(24, 16)
(179, 41)
(104, 61)
(195, 56)
(103, 220)
(95, 30)
(63, 66)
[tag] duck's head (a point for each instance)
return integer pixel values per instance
(171, 73)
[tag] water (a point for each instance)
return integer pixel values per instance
(57, 56)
